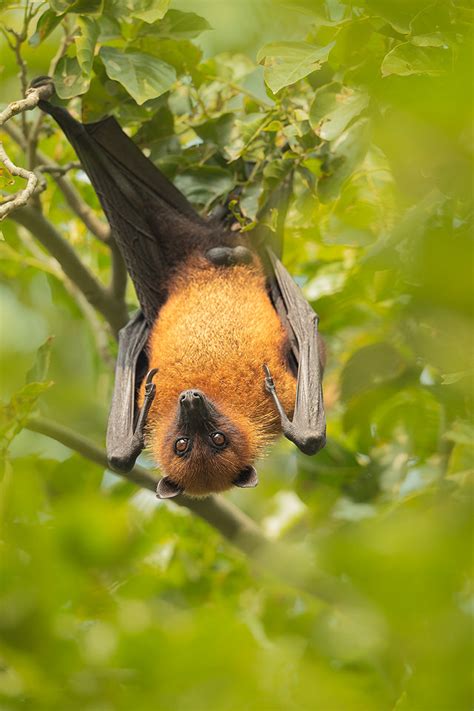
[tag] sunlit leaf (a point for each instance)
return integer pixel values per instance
(288, 62)
(147, 10)
(40, 369)
(180, 54)
(333, 108)
(407, 59)
(143, 76)
(181, 25)
(434, 39)
(69, 79)
(85, 43)
(48, 21)
(14, 414)
(83, 7)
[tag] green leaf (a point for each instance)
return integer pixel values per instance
(204, 184)
(406, 59)
(417, 412)
(40, 369)
(147, 10)
(227, 66)
(181, 25)
(397, 13)
(249, 129)
(143, 76)
(288, 62)
(333, 108)
(452, 378)
(14, 414)
(433, 39)
(69, 79)
(85, 43)
(83, 7)
(369, 367)
(217, 130)
(347, 152)
(183, 55)
(461, 432)
(48, 21)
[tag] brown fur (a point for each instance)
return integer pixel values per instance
(214, 333)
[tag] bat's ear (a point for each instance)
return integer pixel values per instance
(247, 478)
(166, 488)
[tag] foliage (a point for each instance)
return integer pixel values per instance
(109, 599)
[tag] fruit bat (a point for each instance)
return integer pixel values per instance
(223, 355)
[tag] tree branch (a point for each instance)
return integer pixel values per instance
(118, 282)
(33, 96)
(236, 526)
(113, 310)
(285, 562)
(98, 228)
(116, 292)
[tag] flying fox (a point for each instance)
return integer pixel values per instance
(224, 354)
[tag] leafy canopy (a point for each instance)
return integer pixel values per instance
(109, 600)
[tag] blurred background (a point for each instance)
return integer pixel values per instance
(109, 598)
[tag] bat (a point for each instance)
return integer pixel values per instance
(224, 353)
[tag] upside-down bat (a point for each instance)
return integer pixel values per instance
(223, 355)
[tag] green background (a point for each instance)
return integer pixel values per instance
(110, 599)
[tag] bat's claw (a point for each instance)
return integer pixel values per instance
(269, 384)
(150, 386)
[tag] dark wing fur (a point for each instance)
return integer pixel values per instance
(153, 223)
(307, 429)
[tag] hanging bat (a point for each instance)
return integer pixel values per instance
(223, 355)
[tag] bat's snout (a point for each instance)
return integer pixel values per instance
(191, 399)
(195, 409)
(193, 404)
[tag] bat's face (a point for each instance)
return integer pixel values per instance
(202, 451)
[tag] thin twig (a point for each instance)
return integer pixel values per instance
(16, 46)
(59, 170)
(98, 228)
(33, 96)
(32, 147)
(40, 260)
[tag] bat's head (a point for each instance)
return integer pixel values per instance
(202, 450)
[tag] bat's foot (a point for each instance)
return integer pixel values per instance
(42, 80)
(229, 256)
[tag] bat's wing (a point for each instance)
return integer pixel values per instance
(308, 427)
(152, 222)
(126, 426)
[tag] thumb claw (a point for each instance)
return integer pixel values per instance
(269, 384)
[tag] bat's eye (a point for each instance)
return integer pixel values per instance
(218, 439)
(181, 445)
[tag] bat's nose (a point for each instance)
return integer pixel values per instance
(194, 407)
(191, 397)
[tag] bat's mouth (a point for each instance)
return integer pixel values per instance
(196, 413)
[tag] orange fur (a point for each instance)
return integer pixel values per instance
(214, 333)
